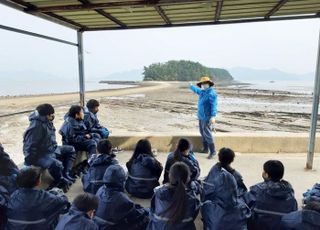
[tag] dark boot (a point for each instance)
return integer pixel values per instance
(64, 184)
(205, 148)
(212, 149)
(67, 167)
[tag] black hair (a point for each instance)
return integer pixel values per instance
(105, 147)
(28, 177)
(74, 109)
(275, 169)
(45, 109)
(86, 202)
(142, 147)
(226, 156)
(92, 103)
(183, 145)
(179, 175)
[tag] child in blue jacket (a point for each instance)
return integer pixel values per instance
(144, 171)
(98, 163)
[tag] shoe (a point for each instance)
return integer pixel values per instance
(210, 156)
(63, 184)
(69, 177)
(205, 148)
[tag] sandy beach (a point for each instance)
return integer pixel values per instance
(162, 108)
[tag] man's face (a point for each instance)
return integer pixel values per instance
(95, 109)
(51, 117)
(265, 175)
(80, 115)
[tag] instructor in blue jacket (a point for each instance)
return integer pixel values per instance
(207, 111)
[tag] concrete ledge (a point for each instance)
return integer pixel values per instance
(239, 142)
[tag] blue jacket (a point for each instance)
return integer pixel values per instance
(207, 103)
(241, 187)
(93, 125)
(312, 194)
(7, 166)
(32, 209)
(301, 220)
(76, 220)
(39, 139)
(73, 131)
(269, 201)
(4, 198)
(116, 211)
(8, 172)
(162, 200)
(98, 164)
(144, 173)
(189, 160)
(221, 208)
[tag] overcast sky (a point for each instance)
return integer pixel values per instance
(290, 46)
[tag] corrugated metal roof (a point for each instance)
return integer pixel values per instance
(89, 15)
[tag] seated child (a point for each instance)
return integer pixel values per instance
(91, 119)
(98, 163)
(270, 199)
(30, 208)
(221, 206)
(116, 210)
(174, 206)
(144, 171)
(80, 214)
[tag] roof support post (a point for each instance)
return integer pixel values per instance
(314, 115)
(81, 67)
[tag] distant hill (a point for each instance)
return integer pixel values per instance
(253, 75)
(26, 75)
(183, 71)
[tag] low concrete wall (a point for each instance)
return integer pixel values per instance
(239, 142)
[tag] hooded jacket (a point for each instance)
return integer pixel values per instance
(7, 166)
(312, 194)
(189, 160)
(207, 103)
(98, 164)
(221, 208)
(116, 211)
(76, 219)
(93, 125)
(241, 188)
(162, 200)
(144, 173)
(269, 201)
(32, 209)
(301, 220)
(39, 139)
(73, 131)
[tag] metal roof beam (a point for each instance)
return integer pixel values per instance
(218, 10)
(94, 6)
(23, 6)
(275, 9)
(36, 35)
(105, 14)
(211, 23)
(162, 14)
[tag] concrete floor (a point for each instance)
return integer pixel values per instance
(249, 165)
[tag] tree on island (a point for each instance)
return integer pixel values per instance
(183, 71)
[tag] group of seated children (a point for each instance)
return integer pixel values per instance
(81, 131)
(222, 198)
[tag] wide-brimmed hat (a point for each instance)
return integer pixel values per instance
(205, 79)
